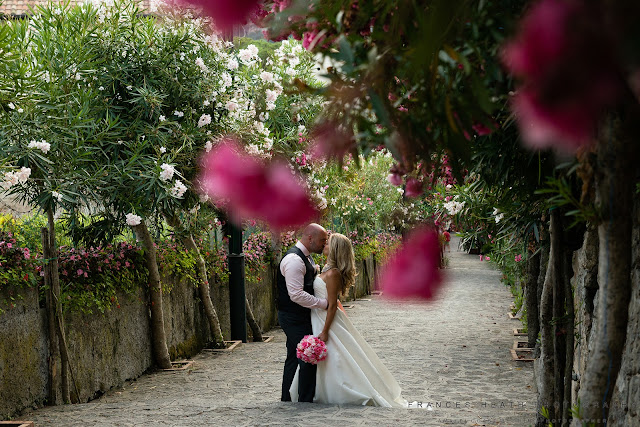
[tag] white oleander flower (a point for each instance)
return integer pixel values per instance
(178, 189)
(208, 146)
(56, 196)
(167, 172)
(204, 120)
(42, 145)
(266, 77)
(232, 105)
(271, 95)
(163, 150)
(133, 220)
(200, 63)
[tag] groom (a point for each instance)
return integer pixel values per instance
(296, 273)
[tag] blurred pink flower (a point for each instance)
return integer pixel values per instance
(248, 188)
(413, 187)
(481, 129)
(395, 179)
(570, 76)
(414, 270)
(226, 13)
(331, 140)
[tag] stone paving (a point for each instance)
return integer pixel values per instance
(451, 356)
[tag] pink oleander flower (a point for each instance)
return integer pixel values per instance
(413, 187)
(414, 271)
(311, 350)
(226, 13)
(395, 179)
(566, 62)
(330, 140)
(249, 188)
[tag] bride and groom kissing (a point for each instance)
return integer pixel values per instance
(308, 305)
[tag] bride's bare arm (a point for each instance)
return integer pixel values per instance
(333, 280)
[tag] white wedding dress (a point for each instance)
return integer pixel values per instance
(352, 373)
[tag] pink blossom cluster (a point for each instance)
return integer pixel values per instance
(565, 57)
(311, 349)
(414, 271)
(518, 258)
(247, 187)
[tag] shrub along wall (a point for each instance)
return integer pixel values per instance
(107, 349)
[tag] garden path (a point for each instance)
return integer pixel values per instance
(452, 353)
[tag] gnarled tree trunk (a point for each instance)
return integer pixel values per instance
(531, 296)
(544, 363)
(203, 283)
(624, 408)
(616, 168)
(158, 335)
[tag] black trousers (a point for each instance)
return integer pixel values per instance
(295, 327)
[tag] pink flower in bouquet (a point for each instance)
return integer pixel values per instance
(414, 271)
(311, 349)
(249, 188)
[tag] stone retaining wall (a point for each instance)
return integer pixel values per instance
(107, 349)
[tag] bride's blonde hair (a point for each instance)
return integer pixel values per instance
(341, 257)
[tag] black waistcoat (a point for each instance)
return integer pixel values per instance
(284, 302)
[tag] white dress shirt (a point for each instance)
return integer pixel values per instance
(293, 269)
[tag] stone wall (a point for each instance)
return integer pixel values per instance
(23, 343)
(107, 349)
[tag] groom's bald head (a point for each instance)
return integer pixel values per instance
(314, 237)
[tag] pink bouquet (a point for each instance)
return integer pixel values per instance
(311, 350)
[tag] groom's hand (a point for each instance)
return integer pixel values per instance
(324, 337)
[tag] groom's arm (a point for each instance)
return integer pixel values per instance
(293, 269)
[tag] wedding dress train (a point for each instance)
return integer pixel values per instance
(352, 373)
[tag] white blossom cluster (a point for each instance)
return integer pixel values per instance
(42, 145)
(499, 216)
(133, 220)
(453, 206)
(167, 172)
(13, 178)
(178, 189)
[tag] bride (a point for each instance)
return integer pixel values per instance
(352, 372)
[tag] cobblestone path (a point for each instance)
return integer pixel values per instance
(451, 354)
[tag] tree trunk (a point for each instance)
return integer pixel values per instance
(255, 328)
(203, 284)
(545, 369)
(559, 327)
(55, 294)
(569, 326)
(614, 183)
(531, 297)
(51, 321)
(624, 402)
(158, 336)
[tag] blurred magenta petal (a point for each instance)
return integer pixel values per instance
(331, 140)
(413, 188)
(226, 13)
(248, 188)
(542, 38)
(565, 127)
(395, 178)
(414, 271)
(569, 73)
(481, 129)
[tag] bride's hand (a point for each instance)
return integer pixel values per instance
(324, 337)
